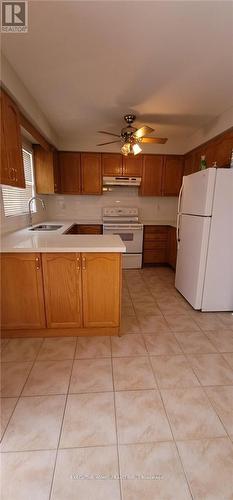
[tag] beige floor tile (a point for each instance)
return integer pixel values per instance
(128, 345)
(142, 298)
(48, 377)
(6, 410)
(173, 372)
(91, 375)
(181, 322)
(77, 471)
(190, 414)
(57, 349)
(27, 475)
(35, 424)
(222, 339)
(158, 461)
(141, 417)
(89, 420)
(93, 347)
(227, 319)
(129, 325)
(14, 376)
(229, 358)
(21, 350)
(209, 464)
(222, 401)
(171, 305)
(133, 373)
(195, 342)
(127, 310)
(144, 309)
(208, 321)
(153, 324)
(211, 369)
(161, 343)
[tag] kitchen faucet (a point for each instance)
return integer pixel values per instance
(29, 207)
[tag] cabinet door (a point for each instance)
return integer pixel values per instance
(44, 170)
(91, 173)
(62, 284)
(56, 172)
(172, 175)
(69, 166)
(152, 171)
(132, 166)
(112, 164)
(22, 298)
(12, 158)
(172, 247)
(101, 279)
(189, 164)
(223, 149)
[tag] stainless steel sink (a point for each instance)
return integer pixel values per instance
(45, 227)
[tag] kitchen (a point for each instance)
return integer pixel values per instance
(117, 280)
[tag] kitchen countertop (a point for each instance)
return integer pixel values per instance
(156, 222)
(25, 240)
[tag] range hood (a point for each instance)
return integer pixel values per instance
(121, 181)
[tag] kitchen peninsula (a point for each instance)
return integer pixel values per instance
(56, 284)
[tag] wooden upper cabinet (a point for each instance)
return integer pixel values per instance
(111, 164)
(152, 173)
(189, 164)
(132, 166)
(101, 280)
(69, 167)
(172, 175)
(91, 173)
(12, 169)
(62, 288)
(44, 162)
(223, 149)
(22, 298)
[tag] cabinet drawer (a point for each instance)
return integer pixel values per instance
(154, 245)
(90, 229)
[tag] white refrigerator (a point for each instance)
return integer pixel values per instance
(204, 270)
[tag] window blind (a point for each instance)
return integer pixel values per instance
(15, 200)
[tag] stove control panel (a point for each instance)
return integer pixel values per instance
(120, 212)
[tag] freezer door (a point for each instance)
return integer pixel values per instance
(198, 192)
(191, 257)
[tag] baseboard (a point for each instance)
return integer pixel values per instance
(60, 332)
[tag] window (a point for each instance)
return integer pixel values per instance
(15, 200)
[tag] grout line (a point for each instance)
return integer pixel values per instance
(116, 427)
(20, 394)
(62, 421)
(169, 423)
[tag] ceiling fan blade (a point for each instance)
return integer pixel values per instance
(158, 140)
(104, 143)
(143, 131)
(108, 133)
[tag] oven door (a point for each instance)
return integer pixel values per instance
(130, 235)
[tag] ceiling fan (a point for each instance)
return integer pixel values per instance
(131, 137)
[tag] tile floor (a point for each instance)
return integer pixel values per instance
(154, 405)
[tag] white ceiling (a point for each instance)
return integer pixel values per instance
(89, 63)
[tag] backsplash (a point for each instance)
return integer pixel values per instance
(67, 207)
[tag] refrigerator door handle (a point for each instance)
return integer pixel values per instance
(178, 214)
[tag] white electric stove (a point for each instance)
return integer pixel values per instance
(124, 221)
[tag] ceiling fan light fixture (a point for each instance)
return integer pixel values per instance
(125, 149)
(136, 149)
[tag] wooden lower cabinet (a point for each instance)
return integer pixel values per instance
(101, 281)
(60, 291)
(22, 297)
(62, 288)
(172, 247)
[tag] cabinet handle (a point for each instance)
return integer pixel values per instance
(11, 174)
(78, 263)
(84, 263)
(37, 263)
